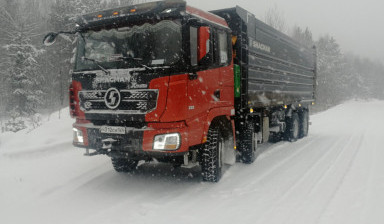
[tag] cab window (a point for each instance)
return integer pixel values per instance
(223, 47)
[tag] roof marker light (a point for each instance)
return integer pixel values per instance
(115, 13)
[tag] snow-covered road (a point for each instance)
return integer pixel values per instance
(335, 175)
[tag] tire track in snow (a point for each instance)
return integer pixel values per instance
(274, 207)
(370, 183)
(283, 162)
(331, 166)
(342, 179)
(273, 168)
(252, 186)
(301, 206)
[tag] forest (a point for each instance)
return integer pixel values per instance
(34, 79)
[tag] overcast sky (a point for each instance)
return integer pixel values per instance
(357, 25)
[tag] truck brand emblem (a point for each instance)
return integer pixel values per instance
(260, 46)
(112, 98)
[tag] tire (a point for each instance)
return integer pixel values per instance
(123, 165)
(248, 144)
(212, 156)
(304, 124)
(292, 131)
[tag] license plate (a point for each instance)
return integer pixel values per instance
(112, 130)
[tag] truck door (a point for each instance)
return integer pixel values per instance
(203, 83)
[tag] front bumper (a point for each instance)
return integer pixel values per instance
(135, 141)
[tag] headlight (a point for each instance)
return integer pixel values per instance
(167, 142)
(78, 136)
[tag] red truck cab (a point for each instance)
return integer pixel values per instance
(150, 80)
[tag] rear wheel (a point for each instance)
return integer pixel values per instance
(248, 144)
(304, 124)
(124, 165)
(292, 131)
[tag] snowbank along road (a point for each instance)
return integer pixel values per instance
(335, 175)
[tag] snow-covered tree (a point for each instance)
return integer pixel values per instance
(22, 78)
(331, 79)
(7, 8)
(357, 82)
(303, 36)
(275, 18)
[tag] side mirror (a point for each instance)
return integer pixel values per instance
(50, 39)
(203, 42)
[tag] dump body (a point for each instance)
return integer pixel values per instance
(275, 70)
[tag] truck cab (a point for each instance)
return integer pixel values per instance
(149, 80)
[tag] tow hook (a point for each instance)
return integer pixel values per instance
(108, 143)
(107, 146)
(190, 162)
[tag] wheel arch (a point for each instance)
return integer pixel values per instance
(222, 117)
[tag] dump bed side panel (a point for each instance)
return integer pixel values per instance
(276, 69)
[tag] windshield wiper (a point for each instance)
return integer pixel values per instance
(130, 58)
(98, 65)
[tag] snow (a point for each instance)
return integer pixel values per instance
(335, 175)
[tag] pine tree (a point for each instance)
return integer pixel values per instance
(22, 76)
(303, 37)
(358, 88)
(331, 79)
(7, 8)
(275, 18)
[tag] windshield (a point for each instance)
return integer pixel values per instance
(148, 45)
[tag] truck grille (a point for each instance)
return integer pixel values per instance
(137, 101)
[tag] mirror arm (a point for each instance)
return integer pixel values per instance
(50, 38)
(67, 32)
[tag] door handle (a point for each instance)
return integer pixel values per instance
(217, 95)
(192, 76)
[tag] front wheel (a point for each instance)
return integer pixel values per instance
(212, 156)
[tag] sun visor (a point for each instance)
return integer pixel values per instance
(128, 14)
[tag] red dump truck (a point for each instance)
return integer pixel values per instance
(166, 81)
